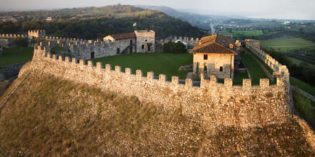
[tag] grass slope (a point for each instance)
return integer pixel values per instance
(47, 116)
(16, 55)
(288, 44)
(159, 63)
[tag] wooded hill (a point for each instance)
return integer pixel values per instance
(95, 22)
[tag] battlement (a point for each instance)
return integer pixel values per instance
(42, 53)
(13, 36)
(189, 41)
(224, 103)
(36, 33)
(279, 70)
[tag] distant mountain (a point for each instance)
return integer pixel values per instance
(95, 22)
(198, 20)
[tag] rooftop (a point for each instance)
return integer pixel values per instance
(122, 36)
(214, 44)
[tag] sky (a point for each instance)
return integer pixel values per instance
(278, 9)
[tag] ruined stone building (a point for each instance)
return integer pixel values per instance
(214, 55)
(139, 41)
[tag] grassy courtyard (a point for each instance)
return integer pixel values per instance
(254, 69)
(159, 63)
(15, 55)
(288, 44)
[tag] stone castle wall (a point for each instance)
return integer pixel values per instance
(278, 68)
(223, 104)
(191, 42)
(12, 36)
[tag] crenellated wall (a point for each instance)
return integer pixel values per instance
(191, 42)
(36, 34)
(13, 36)
(278, 69)
(223, 104)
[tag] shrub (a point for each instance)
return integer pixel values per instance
(172, 47)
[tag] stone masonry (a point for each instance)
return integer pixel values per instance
(224, 104)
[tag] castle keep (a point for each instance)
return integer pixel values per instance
(139, 41)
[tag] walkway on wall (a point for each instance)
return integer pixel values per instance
(262, 66)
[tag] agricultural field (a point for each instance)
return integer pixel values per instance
(247, 33)
(16, 55)
(159, 63)
(288, 44)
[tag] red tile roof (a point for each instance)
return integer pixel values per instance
(212, 44)
(122, 36)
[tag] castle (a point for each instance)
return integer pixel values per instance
(216, 104)
(140, 41)
(227, 104)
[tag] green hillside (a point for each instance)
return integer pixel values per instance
(94, 23)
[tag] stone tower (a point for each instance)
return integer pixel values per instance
(145, 41)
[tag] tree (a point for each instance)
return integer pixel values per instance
(22, 42)
(172, 47)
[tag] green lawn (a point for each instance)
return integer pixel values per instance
(16, 55)
(238, 78)
(255, 71)
(159, 63)
(302, 85)
(58, 49)
(247, 33)
(288, 44)
(305, 107)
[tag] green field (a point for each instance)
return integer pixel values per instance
(288, 44)
(302, 85)
(247, 33)
(159, 63)
(305, 107)
(15, 55)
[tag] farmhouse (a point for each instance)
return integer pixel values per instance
(214, 55)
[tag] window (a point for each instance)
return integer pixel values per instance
(221, 69)
(142, 47)
(118, 50)
(205, 69)
(205, 57)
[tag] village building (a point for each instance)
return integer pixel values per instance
(139, 41)
(214, 55)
